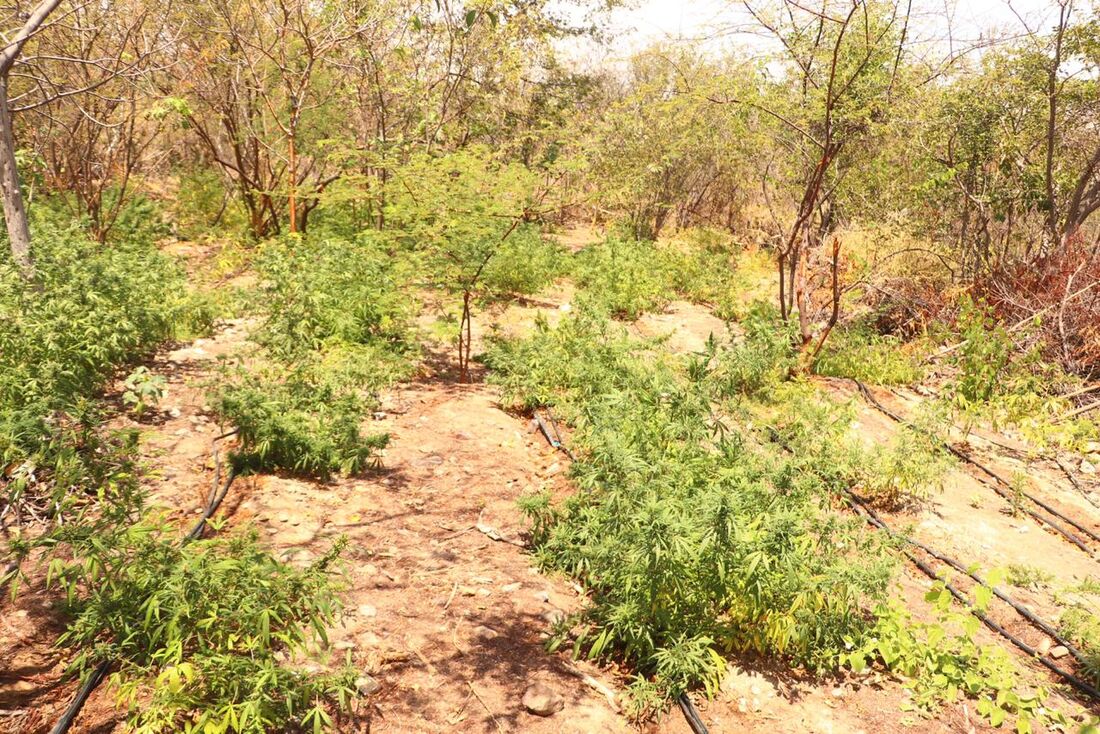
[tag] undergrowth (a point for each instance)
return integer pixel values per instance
(199, 636)
(335, 329)
(1002, 380)
(858, 352)
(940, 661)
(693, 538)
(630, 277)
(704, 520)
(92, 310)
(287, 422)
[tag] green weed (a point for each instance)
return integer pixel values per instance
(200, 634)
(857, 352)
(691, 537)
(287, 422)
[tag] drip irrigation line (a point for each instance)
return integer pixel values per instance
(868, 514)
(217, 494)
(874, 402)
(692, 716)
(1023, 611)
(1046, 662)
(553, 437)
(94, 680)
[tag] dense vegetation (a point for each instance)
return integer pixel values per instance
(363, 187)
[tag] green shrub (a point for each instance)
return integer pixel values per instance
(857, 352)
(940, 660)
(143, 390)
(691, 537)
(139, 220)
(94, 309)
(1080, 624)
(629, 277)
(524, 264)
(317, 292)
(764, 358)
(290, 423)
(984, 353)
(565, 366)
(909, 468)
(200, 635)
(203, 207)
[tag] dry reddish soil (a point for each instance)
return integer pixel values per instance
(444, 607)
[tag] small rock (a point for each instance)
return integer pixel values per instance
(343, 645)
(1087, 467)
(482, 632)
(553, 469)
(366, 685)
(1044, 646)
(379, 415)
(1059, 652)
(283, 517)
(174, 412)
(484, 592)
(838, 693)
(541, 700)
(543, 596)
(467, 590)
(554, 616)
(512, 588)
(367, 610)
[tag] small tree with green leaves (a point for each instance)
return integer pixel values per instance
(458, 209)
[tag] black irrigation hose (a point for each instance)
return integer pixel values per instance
(1023, 611)
(692, 716)
(974, 462)
(554, 439)
(1046, 662)
(217, 494)
(94, 680)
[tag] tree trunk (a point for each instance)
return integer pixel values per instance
(15, 213)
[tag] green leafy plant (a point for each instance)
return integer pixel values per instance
(93, 310)
(941, 661)
(984, 353)
(524, 264)
(859, 353)
(287, 422)
(201, 636)
(143, 390)
(319, 292)
(912, 465)
(628, 277)
(1024, 576)
(1079, 622)
(764, 358)
(691, 538)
